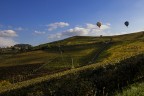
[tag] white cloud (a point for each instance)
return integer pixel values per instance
(87, 30)
(56, 25)
(39, 33)
(77, 31)
(8, 33)
(6, 38)
(4, 42)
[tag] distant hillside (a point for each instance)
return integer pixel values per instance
(77, 40)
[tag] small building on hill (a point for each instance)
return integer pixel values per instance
(22, 47)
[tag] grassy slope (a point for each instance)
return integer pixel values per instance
(44, 62)
(122, 50)
(125, 47)
(74, 47)
(87, 39)
(133, 90)
(42, 56)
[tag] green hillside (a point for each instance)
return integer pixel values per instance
(76, 40)
(46, 61)
(71, 58)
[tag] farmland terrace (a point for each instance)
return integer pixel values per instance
(72, 58)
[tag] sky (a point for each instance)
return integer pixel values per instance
(41, 21)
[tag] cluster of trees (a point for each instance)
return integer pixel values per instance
(16, 48)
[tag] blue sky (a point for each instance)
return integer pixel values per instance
(42, 21)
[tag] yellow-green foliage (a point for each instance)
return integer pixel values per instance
(122, 51)
(26, 58)
(134, 90)
(35, 57)
(37, 93)
(4, 83)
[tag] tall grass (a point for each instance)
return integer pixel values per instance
(133, 90)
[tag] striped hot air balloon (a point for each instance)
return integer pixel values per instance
(99, 24)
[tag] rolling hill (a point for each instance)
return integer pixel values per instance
(73, 59)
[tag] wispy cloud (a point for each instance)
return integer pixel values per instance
(55, 36)
(11, 27)
(39, 32)
(87, 30)
(56, 25)
(8, 33)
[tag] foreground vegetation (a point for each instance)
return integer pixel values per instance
(133, 90)
(94, 79)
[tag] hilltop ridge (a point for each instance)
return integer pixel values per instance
(76, 40)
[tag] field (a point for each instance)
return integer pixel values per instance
(42, 62)
(81, 66)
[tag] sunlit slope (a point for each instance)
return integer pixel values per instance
(64, 59)
(76, 40)
(77, 48)
(122, 50)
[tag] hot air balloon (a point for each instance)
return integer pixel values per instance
(99, 24)
(126, 23)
